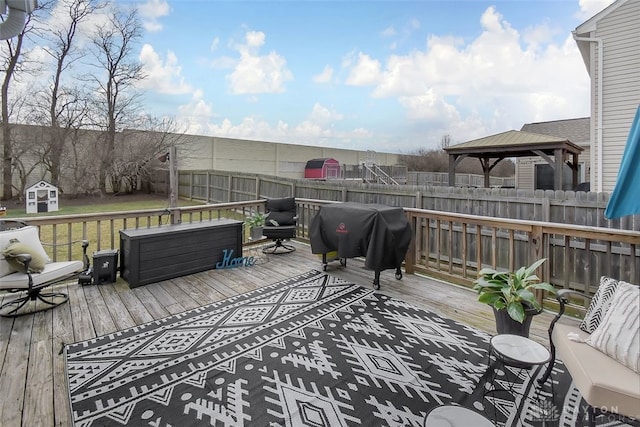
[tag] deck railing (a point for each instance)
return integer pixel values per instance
(449, 246)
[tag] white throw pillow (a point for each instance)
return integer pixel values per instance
(27, 235)
(618, 334)
(599, 304)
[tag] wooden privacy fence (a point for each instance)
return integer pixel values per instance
(565, 207)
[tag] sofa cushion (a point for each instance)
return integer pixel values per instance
(15, 248)
(599, 304)
(618, 334)
(602, 381)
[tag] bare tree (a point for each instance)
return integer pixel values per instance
(142, 150)
(62, 106)
(114, 44)
(12, 64)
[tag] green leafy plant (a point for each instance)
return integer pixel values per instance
(257, 219)
(511, 290)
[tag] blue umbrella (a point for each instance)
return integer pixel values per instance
(625, 199)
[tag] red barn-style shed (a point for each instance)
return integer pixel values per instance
(325, 168)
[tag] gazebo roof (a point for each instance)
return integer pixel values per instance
(513, 143)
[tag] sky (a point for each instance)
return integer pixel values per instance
(388, 76)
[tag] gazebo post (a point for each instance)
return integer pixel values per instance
(558, 168)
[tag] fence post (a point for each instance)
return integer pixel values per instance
(536, 252)
(257, 188)
(410, 258)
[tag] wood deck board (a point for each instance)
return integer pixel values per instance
(35, 390)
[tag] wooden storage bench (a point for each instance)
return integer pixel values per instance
(149, 255)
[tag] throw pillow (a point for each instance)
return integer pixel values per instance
(618, 334)
(16, 248)
(599, 304)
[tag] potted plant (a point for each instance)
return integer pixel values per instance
(256, 223)
(511, 296)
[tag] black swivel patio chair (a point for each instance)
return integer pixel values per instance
(280, 225)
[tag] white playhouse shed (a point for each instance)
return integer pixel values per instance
(42, 197)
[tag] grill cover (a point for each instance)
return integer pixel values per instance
(379, 233)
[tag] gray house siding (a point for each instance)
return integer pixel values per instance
(618, 28)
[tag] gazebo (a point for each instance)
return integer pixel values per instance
(490, 150)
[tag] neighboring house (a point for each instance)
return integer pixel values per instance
(610, 46)
(536, 173)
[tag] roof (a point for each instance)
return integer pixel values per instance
(513, 143)
(591, 24)
(575, 130)
(585, 29)
(41, 185)
(319, 163)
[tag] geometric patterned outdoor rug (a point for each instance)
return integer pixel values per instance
(312, 350)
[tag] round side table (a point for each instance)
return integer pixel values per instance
(455, 416)
(517, 352)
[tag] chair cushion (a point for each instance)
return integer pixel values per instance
(602, 381)
(284, 232)
(16, 248)
(27, 235)
(282, 211)
(52, 271)
(618, 334)
(599, 304)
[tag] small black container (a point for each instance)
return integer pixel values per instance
(105, 266)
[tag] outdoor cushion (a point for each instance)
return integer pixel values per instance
(619, 332)
(16, 248)
(599, 304)
(602, 381)
(52, 271)
(27, 235)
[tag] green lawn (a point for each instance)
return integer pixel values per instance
(107, 204)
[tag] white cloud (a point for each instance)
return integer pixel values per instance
(194, 117)
(366, 71)
(325, 76)
(502, 78)
(151, 11)
(255, 73)
(214, 44)
(323, 115)
(163, 77)
(388, 32)
(589, 8)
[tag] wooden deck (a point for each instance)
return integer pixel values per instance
(32, 380)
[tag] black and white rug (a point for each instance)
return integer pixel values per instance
(313, 350)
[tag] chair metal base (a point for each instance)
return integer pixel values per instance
(278, 248)
(48, 299)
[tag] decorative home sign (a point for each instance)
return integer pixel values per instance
(229, 262)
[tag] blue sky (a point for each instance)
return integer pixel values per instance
(388, 76)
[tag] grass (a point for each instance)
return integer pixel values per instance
(91, 205)
(98, 233)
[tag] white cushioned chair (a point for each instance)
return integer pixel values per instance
(608, 386)
(29, 285)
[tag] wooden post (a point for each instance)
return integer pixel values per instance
(173, 186)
